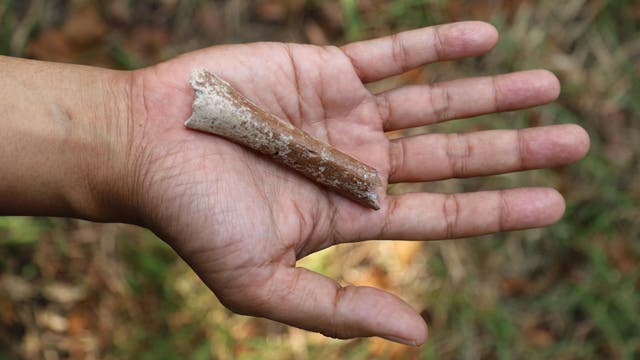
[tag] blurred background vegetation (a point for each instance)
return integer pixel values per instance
(73, 289)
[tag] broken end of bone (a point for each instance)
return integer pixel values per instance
(190, 123)
(202, 80)
(373, 201)
(197, 77)
(194, 122)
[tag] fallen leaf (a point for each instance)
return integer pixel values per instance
(315, 34)
(209, 19)
(540, 337)
(373, 276)
(8, 314)
(381, 348)
(52, 321)
(84, 27)
(63, 293)
(16, 288)
(331, 18)
(406, 252)
(52, 45)
(515, 286)
(77, 323)
(119, 11)
(148, 41)
(271, 10)
(621, 256)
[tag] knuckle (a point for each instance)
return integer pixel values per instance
(351, 58)
(451, 214)
(399, 52)
(504, 212)
(384, 109)
(438, 43)
(459, 153)
(336, 327)
(387, 224)
(522, 149)
(440, 99)
(397, 154)
(495, 86)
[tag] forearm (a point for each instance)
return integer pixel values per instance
(64, 139)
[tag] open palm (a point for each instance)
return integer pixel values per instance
(241, 221)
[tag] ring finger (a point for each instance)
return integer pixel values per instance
(441, 156)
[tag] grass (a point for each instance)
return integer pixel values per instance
(568, 291)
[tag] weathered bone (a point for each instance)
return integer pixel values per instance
(221, 110)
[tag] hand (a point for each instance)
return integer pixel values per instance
(241, 221)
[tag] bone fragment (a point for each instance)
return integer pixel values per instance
(221, 110)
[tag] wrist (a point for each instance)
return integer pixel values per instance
(111, 149)
(66, 141)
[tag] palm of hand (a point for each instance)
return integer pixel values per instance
(242, 221)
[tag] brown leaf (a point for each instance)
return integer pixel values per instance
(374, 276)
(381, 348)
(63, 293)
(271, 10)
(415, 76)
(148, 41)
(84, 27)
(537, 331)
(52, 321)
(406, 252)
(209, 19)
(515, 286)
(119, 11)
(8, 314)
(77, 323)
(315, 34)
(332, 19)
(16, 288)
(278, 10)
(540, 336)
(50, 44)
(621, 256)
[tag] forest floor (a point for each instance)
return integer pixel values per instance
(74, 289)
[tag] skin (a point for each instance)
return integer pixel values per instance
(110, 146)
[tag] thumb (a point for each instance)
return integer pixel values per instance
(308, 300)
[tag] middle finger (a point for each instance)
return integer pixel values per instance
(442, 156)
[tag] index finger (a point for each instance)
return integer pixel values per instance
(392, 55)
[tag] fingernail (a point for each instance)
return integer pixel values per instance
(400, 340)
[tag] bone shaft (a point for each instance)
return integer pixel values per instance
(221, 110)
